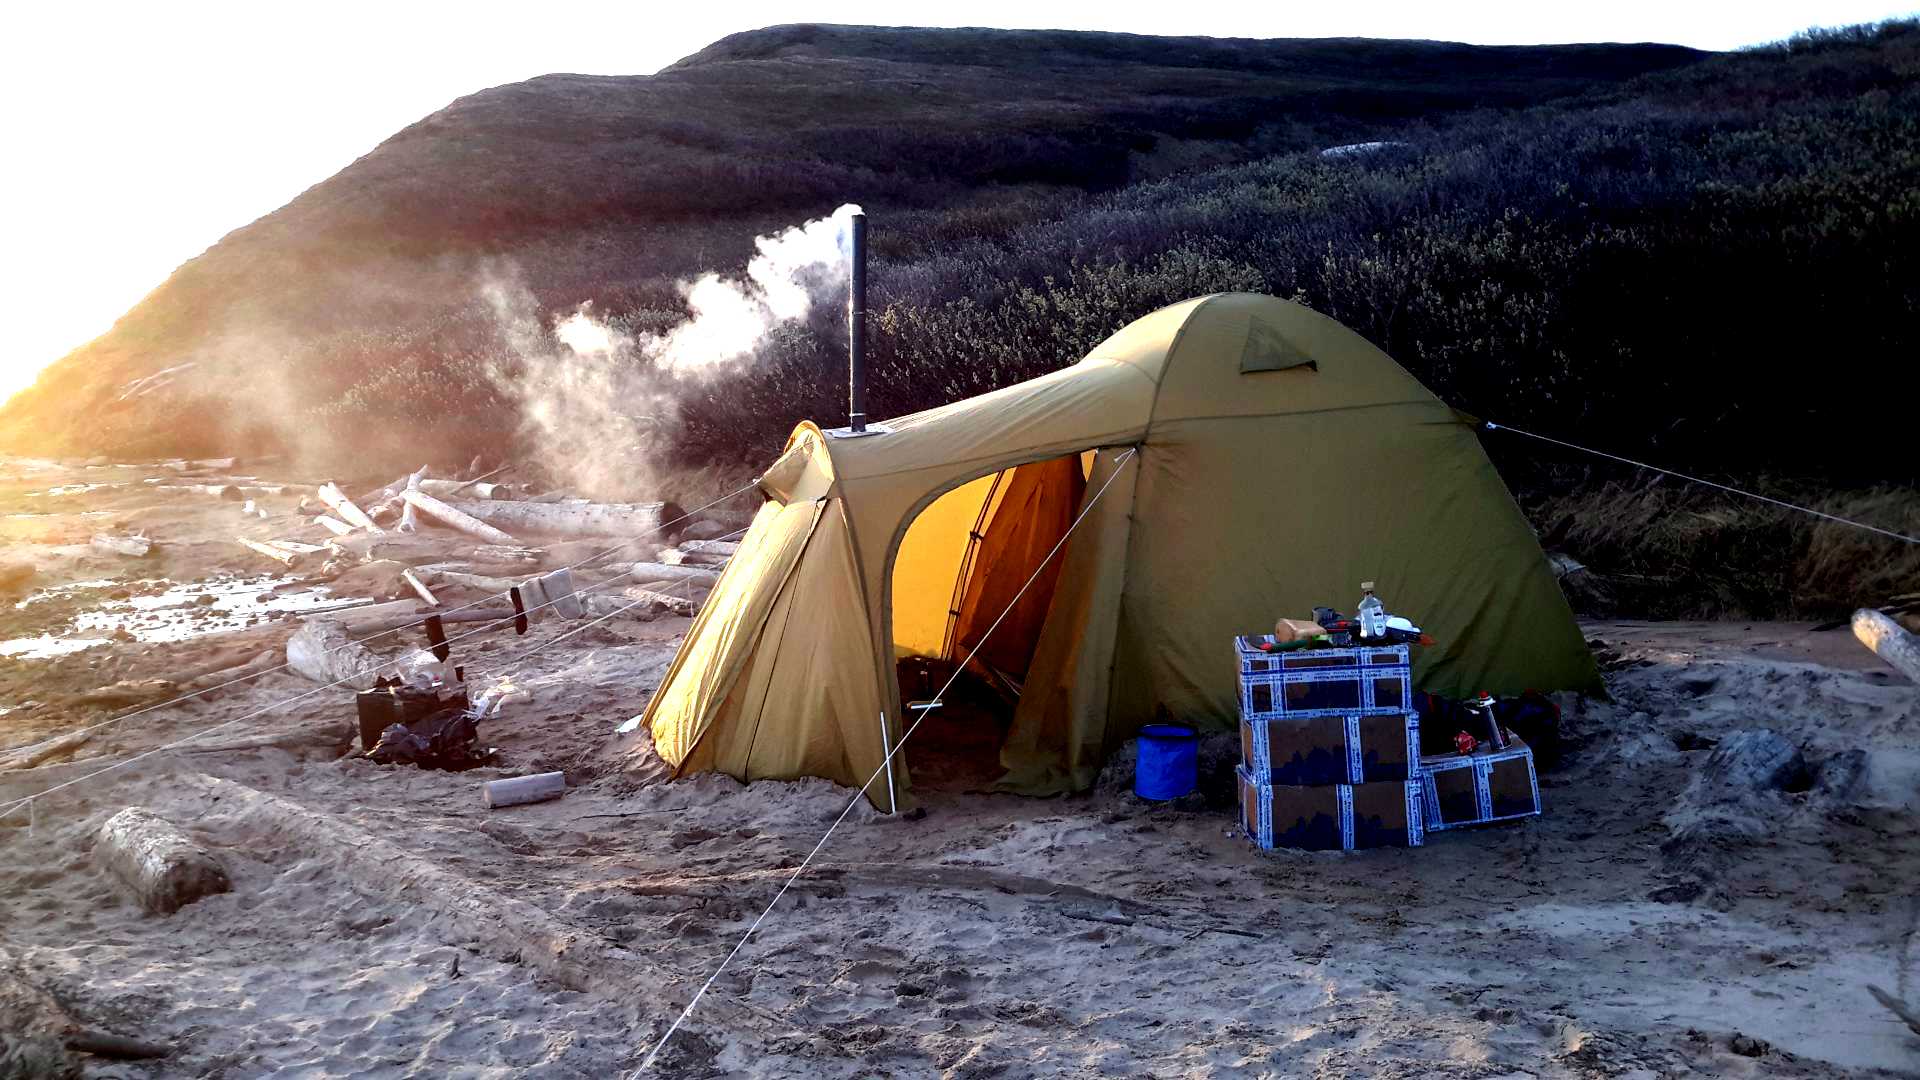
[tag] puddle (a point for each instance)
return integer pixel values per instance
(176, 613)
(46, 646)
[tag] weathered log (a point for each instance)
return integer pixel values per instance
(331, 494)
(661, 602)
(516, 790)
(472, 489)
(121, 694)
(36, 1030)
(1889, 641)
(107, 1044)
(507, 553)
(464, 909)
(573, 519)
(322, 651)
(284, 556)
(161, 866)
(419, 586)
(331, 740)
(601, 606)
(259, 665)
(458, 518)
(653, 571)
(702, 558)
(33, 754)
(710, 547)
(226, 492)
(703, 529)
(135, 547)
(483, 582)
(333, 525)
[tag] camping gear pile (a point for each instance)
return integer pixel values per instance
(1331, 746)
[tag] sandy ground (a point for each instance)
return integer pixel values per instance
(994, 936)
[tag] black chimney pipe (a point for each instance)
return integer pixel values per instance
(857, 325)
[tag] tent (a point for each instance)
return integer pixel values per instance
(1229, 459)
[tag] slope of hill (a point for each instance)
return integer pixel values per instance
(356, 319)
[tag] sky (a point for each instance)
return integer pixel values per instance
(138, 134)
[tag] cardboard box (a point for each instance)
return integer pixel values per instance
(1321, 682)
(1332, 749)
(1473, 789)
(1336, 817)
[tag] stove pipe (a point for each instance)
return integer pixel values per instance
(857, 324)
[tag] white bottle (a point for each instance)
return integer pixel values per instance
(1372, 615)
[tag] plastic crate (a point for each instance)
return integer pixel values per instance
(1363, 680)
(1336, 817)
(1332, 749)
(1474, 789)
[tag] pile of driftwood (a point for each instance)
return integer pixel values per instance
(423, 545)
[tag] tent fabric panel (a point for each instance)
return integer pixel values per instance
(1235, 532)
(726, 633)
(1000, 613)
(812, 708)
(1204, 378)
(1057, 741)
(1093, 403)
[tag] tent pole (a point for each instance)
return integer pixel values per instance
(886, 762)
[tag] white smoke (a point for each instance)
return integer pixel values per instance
(593, 396)
(731, 316)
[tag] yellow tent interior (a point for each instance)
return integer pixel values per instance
(1092, 540)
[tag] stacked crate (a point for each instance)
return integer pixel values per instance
(1329, 747)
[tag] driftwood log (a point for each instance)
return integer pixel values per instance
(134, 547)
(418, 586)
(346, 509)
(1889, 640)
(259, 665)
(37, 1031)
(465, 910)
(162, 867)
(659, 602)
(324, 741)
(457, 517)
(600, 605)
(655, 571)
(35, 754)
(573, 519)
(286, 557)
(710, 547)
(472, 489)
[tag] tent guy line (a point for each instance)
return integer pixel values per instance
(489, 598)
(27, 801)
(1491, 426)
(886, 764)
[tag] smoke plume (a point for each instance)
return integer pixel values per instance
(596, 396)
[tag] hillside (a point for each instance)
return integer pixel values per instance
(329, 326)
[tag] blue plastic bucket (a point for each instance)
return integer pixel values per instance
(1168, 764)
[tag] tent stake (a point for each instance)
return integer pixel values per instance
(886, 750)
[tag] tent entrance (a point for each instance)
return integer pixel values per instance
(972, 585)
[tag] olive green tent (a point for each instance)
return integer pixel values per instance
(1229, 460)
